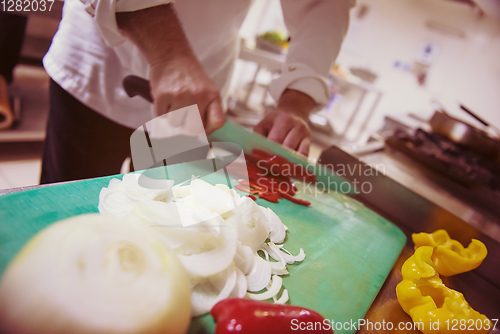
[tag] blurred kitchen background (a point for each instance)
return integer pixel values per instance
(401, 61)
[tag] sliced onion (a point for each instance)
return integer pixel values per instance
(215, 199)
(259, 276)
(288, 257)
(211, 290)
(250, 224)
(279, 267)
(211, 229)
(114, 201)
(181, 192)
(283, 299)
(140, 187)
(214, 261)
(280, 254)
(244, 258)
(173, 213)
(276, 227)
(121, 196)
(273, 290)
(240, 288)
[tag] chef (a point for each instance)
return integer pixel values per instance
(187, 49)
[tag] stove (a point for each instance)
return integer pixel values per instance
(458, 180)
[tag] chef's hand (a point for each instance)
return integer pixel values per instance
(182, 81)
(287, 124)
(177, 78)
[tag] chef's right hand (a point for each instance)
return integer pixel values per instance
(176, 76)
(181, 81)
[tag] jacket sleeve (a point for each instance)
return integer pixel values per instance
(104, 13)
(317, 28)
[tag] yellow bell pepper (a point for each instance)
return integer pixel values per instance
(449, 256)
(433, 307)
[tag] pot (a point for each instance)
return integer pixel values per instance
(465, 134)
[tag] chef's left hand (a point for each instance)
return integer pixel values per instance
(287, 124)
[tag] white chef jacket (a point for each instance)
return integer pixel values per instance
(89, 57)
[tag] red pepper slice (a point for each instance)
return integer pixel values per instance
(238, 315)
(243, 188)
(265, 183)
(254, 185)
(271, 197)
(283, 166)
(294, 199)
(252, 197)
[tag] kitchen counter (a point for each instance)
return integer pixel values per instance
(412, 213)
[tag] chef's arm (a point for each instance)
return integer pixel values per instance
(316, 28)
(176, 76)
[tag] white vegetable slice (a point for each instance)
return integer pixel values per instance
(158, 213)
(240, 289)
(283, 299)
(244, 258)
(250, 224)
(259, 276)
(276, 227)
(213, 289)
(224, 188)
(181, 192)
(214, 261)
(215, 199)
(288, 257)
(140, 187)
(115, 183)
(280, 254)
(121, 196)
(114, 201)
(173, 213)
(94, 274)
(273, 290)
(279, 267)
(164, 218)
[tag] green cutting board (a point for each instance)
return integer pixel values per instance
(349, 248)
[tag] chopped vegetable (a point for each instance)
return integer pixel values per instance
(238, 315)
(428, 301)
(449, 257)
(269, 176)
(95, 274)
(215, 233)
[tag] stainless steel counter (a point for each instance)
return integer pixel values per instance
(413, 213)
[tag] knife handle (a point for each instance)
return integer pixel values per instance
(474, 115)
(135, 85)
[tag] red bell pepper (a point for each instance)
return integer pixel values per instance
(238, 315)
(271, 197)
(267, 184)
(243, 188)
(281, 165)
(294, 199)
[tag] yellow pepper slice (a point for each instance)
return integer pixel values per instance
(449, 256)
(433, 307)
